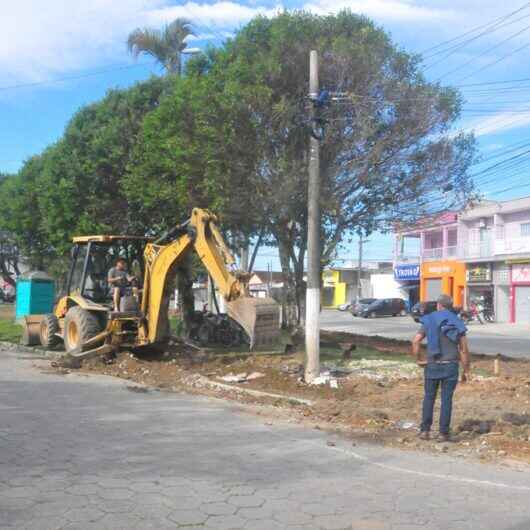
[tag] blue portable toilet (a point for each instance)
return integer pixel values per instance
(35, 294)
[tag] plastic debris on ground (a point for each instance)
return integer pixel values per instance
(241, 378)
(325, 378)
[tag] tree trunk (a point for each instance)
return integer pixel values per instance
(290, 314)
(244, 257)
(185, 293)
(6, 273)
(255, 251)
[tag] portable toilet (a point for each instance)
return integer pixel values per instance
(35, 294)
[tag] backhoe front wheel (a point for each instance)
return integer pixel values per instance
(80, 326)
(49, 327)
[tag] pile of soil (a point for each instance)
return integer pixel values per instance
(491, 413)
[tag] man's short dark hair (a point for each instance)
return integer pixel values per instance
(121, 260)
(445, 301)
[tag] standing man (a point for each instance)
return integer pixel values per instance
(446, 347)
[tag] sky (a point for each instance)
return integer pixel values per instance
(58, 55)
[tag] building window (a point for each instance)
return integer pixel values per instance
(525, 229)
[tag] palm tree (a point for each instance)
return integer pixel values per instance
(164, 45)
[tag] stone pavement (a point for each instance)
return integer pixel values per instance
(491, 338)
(85, 453)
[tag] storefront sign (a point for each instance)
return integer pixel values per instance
(521, 273)
(407, 272)
(478, 273)
(440, 269)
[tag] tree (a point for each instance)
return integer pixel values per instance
(80, 190)
(20, 221)
(74, 187)
(166, 46)
(388, 152)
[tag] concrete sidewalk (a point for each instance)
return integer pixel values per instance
(509, 339)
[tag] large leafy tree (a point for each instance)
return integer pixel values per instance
(166, 45)
(80, 183)
(20, 220)
(198, 148)
(388, 151)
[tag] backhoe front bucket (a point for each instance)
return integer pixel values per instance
(259, 317)
(31, 330)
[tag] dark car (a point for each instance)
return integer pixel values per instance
(357, 307)
(385, 307)
(422, 308)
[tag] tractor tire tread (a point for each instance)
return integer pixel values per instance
(87, 322)
(52, 327)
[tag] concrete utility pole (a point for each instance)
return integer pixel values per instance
(312, 319)
(360, 266)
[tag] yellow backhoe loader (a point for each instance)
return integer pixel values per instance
(84, 320)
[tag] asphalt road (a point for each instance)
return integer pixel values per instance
(85, 453)
(508, 339)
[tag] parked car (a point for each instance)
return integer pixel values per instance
(357, 307)
(385, 307)
(344, 307)
(422, 308)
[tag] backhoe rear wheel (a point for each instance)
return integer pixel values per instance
(49, 327)
(80, 326)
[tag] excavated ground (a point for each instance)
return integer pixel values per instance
(377, 396)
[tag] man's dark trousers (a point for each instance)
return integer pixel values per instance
(444, 375)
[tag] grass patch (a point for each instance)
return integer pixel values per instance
(9, 331)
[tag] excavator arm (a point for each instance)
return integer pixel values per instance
(259, 317)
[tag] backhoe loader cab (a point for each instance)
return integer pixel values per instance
(94, 256)
(84, 320)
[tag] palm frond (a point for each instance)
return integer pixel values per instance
(164, 45)
(148, 41)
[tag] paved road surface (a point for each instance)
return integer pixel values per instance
(85, 453)
(508, 339)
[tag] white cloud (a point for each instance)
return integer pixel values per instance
(381, 9)
(222, 14)
(42, 39)
(499, 123)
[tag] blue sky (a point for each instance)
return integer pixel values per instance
(43, 41)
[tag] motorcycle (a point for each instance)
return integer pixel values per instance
(475, 312)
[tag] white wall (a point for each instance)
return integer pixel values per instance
(385, 286)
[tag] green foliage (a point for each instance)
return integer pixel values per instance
(235, 136)
(20, 216)
(198, 148)
(74, 187)
(80, 187)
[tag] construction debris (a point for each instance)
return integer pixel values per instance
(241, 378)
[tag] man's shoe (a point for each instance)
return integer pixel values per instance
(424, 435)
(442, 438)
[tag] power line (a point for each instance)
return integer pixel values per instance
(485, 52)
(476, 28)
(489, 65)
(457, 48)
(75, 77)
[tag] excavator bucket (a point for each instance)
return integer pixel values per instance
(259, 317)
(31, 330)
